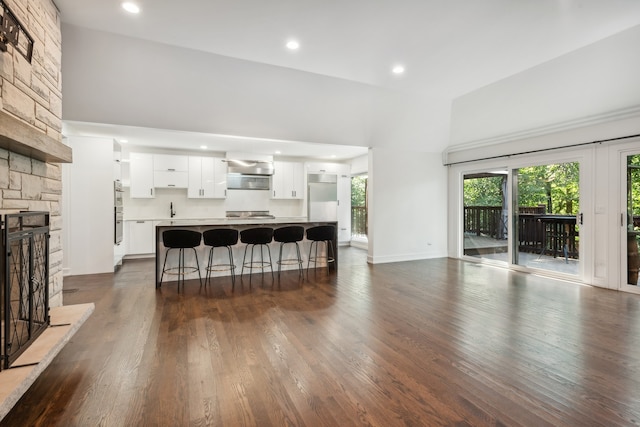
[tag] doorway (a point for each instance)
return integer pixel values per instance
(632, 192)
(546, 218)
(359, 208)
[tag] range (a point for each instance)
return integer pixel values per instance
(249, 215)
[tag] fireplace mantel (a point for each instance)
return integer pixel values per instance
(21, 138)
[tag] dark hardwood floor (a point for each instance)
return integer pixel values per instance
(424, 343)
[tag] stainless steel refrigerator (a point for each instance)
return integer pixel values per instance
(322, 203)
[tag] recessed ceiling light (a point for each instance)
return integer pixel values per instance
(204, 147)
(131, 7)
(124, 141)
(293, 45)
(398, 69)
(333, 156)
(278, 152)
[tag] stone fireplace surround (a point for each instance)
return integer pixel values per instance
(31, 147)
(31, 153)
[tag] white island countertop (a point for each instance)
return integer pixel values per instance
(237, 221)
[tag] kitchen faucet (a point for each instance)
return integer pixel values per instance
(173, 213)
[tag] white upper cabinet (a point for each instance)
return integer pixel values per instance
(117, 165)
(322, 167)
(287, 180)
(170, 171)
(207, 178)
(344, 206)
(141, 175)
(170, 163)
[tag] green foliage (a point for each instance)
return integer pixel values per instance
(359, 190)
(486, 191)
(633, 184)
(555, 186)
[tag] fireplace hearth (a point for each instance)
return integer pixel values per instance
(24, 297)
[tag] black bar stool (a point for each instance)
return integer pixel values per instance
(221, 238)
(259, 236)
(181, 240)
(289, 234)
(321, 233)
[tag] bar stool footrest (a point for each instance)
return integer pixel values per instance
(180, 271)
(290, 261)
(257, 264)
(221, 267)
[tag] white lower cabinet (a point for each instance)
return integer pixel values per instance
(140, 238)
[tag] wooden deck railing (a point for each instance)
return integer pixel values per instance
(359, 220)
(537, 231)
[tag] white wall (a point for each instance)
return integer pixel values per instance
(88, 214)
(407, 206)
(360, 165)
(161, 86)
(596, 83)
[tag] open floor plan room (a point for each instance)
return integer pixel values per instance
(432, 342)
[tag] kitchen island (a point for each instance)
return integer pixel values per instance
(202, 225)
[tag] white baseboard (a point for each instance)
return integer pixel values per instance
(403, 257)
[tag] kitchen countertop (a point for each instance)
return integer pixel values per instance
(244, 221)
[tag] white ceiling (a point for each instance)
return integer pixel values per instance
(449, 47)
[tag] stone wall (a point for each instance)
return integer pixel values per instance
(32, 93)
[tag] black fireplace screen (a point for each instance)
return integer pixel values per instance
(25, 287)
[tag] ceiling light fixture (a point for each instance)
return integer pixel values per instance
(293, 45)
(124, 141)
(131, 7)
(204, 147)
(398, 69)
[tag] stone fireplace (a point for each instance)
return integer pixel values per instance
(31, 148)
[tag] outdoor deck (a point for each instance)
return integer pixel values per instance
(497, 249)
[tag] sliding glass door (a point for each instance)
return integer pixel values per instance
(546, 218)
(485, 231)
(631, 167)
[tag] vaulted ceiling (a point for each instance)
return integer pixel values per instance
(342, 68)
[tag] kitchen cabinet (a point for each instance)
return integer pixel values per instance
(88, 207)
(207, 178)
(140, 237)
(170, 171)
(324, 167)
(170, 179)
(117, 162)
(170, 163)
(141, 175)
(344, 206)
(287, 180)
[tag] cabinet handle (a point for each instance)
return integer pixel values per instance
(140, 222)
(171, 185)
(274, 193)
(151, 191)
(171, 170)
(225, 193)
